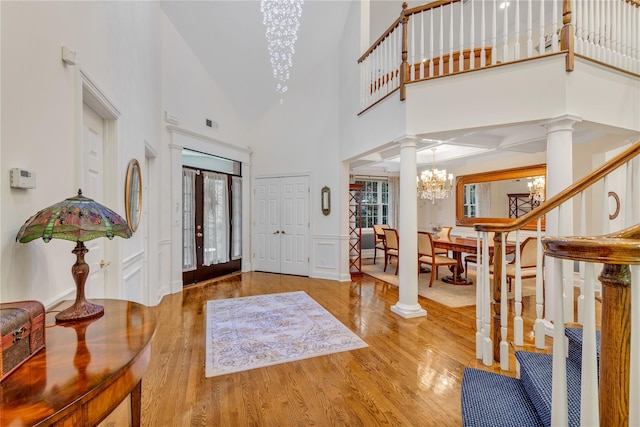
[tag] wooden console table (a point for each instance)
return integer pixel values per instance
(86, 370)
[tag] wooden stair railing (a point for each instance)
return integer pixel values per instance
(496, 332)
(605, 395)
(617, 251)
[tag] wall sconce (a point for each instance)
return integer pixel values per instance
(325, 198)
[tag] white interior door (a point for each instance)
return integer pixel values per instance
(93, 146)
(282, 225)
(294, 225)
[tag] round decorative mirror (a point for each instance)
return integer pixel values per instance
(133, 194)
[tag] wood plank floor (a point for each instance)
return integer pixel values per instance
(409, 375)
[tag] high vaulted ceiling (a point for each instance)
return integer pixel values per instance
(229, 39)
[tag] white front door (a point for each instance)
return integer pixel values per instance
(93, 147)
(282, 225)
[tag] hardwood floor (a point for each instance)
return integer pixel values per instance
(409, 375)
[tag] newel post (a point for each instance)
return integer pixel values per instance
(404, 66)
(615, 345)
(568, 33)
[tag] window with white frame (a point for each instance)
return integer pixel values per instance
(470, 201)
(375, 202)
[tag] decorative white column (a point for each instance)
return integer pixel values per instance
(559, 222)
(408, 305)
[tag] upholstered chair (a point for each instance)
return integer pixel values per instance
(426, 255)
(392, 247)
(444, 233)
(378, 235)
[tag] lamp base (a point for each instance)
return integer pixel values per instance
(80, 311)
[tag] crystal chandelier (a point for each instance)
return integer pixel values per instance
(434, 184)
(537, 188)
(281, 19)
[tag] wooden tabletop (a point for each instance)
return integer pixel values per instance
(85, 371)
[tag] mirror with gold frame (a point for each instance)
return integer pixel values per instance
(496, 194)
(133, 194)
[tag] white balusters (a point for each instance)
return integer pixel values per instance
(589, 382)
(412, 49)
(441, 62)
(422, 54)
(431, 37)
(559, 411)
(472, 36)
(516, 46)
(583, 232)
(541, 41)
(505, 34)
(461, 48)
(483, 42)
(518, 328)
(479, 297)
(578, 15)
(451, 27)
(487, 348)
(539, 326)
(607, 31)
(504, 317)
(494, 58)
(554, 26)
(529, 29)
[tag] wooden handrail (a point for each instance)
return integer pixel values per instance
(428, 6)
(609, 249)
(381, 38)
(565, 195)
(405, 13)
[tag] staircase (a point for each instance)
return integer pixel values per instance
(490, 399)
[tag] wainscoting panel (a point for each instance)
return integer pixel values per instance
(326, 256)
(134, 287)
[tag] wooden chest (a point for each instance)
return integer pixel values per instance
(22, 333)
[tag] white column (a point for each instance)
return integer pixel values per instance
(408, 305)
(559, 177)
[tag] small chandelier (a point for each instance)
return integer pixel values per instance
(537, 189)
(434, 184)
(281, 19)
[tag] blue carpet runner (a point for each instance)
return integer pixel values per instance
(490, 400)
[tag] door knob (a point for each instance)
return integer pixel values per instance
(276, 232)
(283, 232)
(199, 234)
(104, 263)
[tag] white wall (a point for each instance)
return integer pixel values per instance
(301, 137)
(189, 97)
(117, 45)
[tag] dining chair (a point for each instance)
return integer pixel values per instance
(392, 247)
(378, 235)
(473, 258)
(444, 233)
(426, 255)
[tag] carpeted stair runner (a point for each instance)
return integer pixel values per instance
(490, 399)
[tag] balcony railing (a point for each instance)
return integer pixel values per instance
(453, 36)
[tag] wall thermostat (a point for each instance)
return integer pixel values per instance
(21, 178)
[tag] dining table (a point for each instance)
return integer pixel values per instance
(460, 245)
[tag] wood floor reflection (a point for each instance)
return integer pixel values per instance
(409, 375)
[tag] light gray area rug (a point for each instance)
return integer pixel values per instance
(263, 330)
